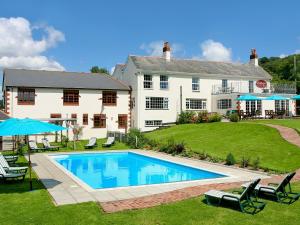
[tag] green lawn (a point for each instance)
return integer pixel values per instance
(18, 206)
(241, 139)
(292, 123)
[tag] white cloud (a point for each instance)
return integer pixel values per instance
(214, 51)
(18, 48)
(282, 56)
(155, 48)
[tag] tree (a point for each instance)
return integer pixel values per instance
(1, 104)
(97, 69)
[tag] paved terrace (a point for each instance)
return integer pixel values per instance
(67, 189)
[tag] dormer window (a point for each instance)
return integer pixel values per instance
(148, 84)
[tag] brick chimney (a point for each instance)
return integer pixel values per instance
(253, 57)
(167, 52)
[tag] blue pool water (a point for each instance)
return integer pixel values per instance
(122, 169)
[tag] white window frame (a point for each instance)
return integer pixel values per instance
(150, 101)
(195, 84)
(190, 104)
(148, 83)
(153, 123)
(224, 104)
(164, 82)
(251, 86)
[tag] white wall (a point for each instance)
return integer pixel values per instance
(49, 101)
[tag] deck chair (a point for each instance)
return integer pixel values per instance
(109, 142)
(282, 191)
(10, 158)
(33, 146)
(8, 168)
(245, 200)
(92, 143)
(48, 146)
(10, 175)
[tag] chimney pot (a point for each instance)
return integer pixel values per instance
(253, 57)
(167, 52)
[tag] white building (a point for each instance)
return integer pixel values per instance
(98, 102)
(162, 87)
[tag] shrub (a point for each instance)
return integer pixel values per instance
(172, 147)
(186, 117)
(202, 117)
(245, 162)
(230, 160)
(135, 138)
(203, 155)
(256, 163)
(214, 117)
(234, 117)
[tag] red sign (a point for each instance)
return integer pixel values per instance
(261, 84)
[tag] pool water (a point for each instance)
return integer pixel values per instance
(123, 169)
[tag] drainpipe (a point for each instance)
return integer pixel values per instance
(180, 99)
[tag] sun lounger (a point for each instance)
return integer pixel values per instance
(48, 146)
(244, 200)
(33, 146)
(10, 158)
(282, 191)
(109, 142)
(8, 168)
(92, 143)
(10, 175)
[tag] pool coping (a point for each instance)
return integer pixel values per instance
(66, 188)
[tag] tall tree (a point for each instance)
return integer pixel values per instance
(97, 69)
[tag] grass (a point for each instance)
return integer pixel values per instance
(291, 123)
(18, 206)
(241, 139)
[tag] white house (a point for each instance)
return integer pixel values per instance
(98, 102)
(162, 87)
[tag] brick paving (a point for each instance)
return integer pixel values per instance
(287, 133)
(177, 195)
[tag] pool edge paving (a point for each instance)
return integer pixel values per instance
(66, 189)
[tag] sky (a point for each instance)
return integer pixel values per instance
(76, 35)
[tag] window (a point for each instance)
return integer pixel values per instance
(164, 84)
(99, 120)
(71, 97)
(74, 116)
(122, 121)
(148, 82)
(85, 119)
(281, 105)
(26, 96)
(153, 123)
(157, 103)
(253, 106)
(195, 84)
(251, 86)
(224, 104)
(224, 84)
(195, 104)
(109, 98)
(53, 116)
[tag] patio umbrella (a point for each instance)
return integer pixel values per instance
(248, 98)
(296, 97)
(27, 127)
(276, 97)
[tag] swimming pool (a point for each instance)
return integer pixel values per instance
(123, 169)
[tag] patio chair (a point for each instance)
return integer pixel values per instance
(282, 191)
(92, 143)
(10, 158)
(109, 142)
(10, 175)
(8, 168)
(48, 146)
(33, 146)
(244, 200)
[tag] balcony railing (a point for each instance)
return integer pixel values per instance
(237, 87)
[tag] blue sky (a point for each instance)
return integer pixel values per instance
(87, 33)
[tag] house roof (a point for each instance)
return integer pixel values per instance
(3, 116)
(59, 79)
(206, 68)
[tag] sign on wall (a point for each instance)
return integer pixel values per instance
(261, 84)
